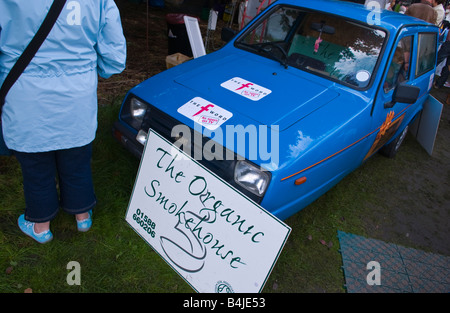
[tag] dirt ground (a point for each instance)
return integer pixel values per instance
(415, 209)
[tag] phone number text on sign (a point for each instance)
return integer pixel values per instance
(207, 231)
(145, 222)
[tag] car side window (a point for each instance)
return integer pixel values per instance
(399, 69)
(426, 53)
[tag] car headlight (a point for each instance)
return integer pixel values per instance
(251, 178)
(137, 109)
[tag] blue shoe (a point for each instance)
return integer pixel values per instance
(85, 225)
(28, 229)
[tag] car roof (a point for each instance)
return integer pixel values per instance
(389, 20)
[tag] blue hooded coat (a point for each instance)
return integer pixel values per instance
(53, 104)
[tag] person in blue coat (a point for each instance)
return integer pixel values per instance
(50, 114)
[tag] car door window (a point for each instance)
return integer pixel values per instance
(426, 53)
(399, 69)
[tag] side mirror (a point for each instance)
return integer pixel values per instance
(227, 34)
(404, 94)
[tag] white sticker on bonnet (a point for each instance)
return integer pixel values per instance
(205, 113)
(246, 89)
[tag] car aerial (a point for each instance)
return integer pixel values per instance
(295, 101)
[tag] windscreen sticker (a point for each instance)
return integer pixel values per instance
(362, 76)
(205, 113)
(246, 89)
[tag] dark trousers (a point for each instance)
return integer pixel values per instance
(443, 53)
(44, 172)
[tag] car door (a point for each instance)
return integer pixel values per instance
(408, 77)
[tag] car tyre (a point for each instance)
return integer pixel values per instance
(391, 149)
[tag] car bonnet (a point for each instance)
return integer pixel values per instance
(259, 88)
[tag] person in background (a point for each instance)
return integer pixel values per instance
(50, 114)
(423, 10)
(439, 8)
(383, 3)
(447, 13)
(396, 5)
(444, 53)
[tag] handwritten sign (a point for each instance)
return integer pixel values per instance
(211, 234)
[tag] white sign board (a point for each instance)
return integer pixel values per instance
(211, 234)
(195, 36)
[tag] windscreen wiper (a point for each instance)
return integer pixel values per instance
(267, 49)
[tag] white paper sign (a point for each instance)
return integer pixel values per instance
(246, 89)
(212, 235)
(205, 113)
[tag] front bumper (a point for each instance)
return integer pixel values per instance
(128, 139)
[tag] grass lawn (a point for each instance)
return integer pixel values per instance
(113, 258)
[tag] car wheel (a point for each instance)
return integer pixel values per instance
(391, 149)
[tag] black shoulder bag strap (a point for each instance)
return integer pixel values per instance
(31, 49)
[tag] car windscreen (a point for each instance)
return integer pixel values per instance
(324, 44)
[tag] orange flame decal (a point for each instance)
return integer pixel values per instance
(386, 124)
